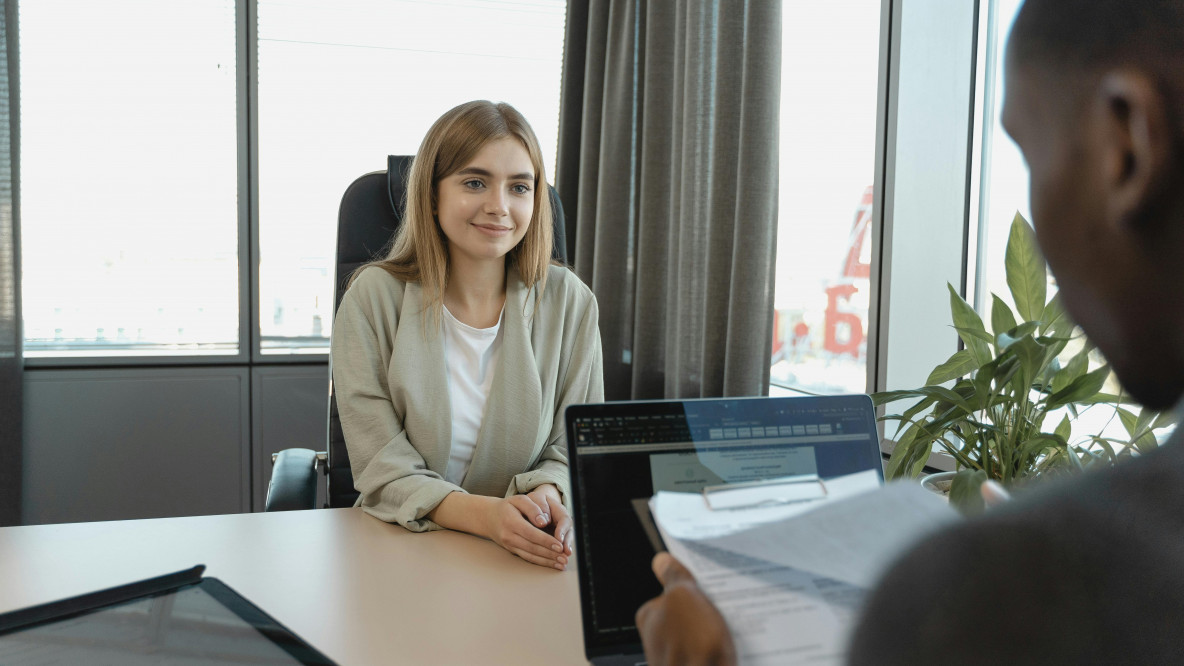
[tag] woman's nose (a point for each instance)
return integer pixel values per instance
(495, 203)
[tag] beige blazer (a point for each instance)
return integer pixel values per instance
(392, 392)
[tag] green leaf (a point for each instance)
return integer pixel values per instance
(965, 493)
(905, 453)
(1074, 369)
(1026, 271)
(1107, 399)
(918, 407)
(1146, 443)
(1128, 422)
(1002, 319)
(978, 334)
(1031, 356)
(1056, 344)
(945, 394)
(1053, 317)
(1072, 456)
(961, 363)
(1143, 423)
(1164, 420)
(885, 397)
(1083, 387)
(1030, 449)
(967, 320)
(1015, 334)
(1142, 436)
(1051, 368)
(1064, 429)
(1009, 366)
(1106, 447)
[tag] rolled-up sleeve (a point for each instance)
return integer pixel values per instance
(391, 475)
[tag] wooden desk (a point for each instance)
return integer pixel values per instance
(360, 590)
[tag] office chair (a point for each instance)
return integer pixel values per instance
(370, 213)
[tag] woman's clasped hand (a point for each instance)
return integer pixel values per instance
(534, 526)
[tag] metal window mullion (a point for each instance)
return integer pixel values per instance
(881, 192)
(970, 232)
(247, 45)
(984, 132)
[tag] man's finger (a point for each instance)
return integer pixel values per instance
(639, 618)
(669, 570)
(993, 493)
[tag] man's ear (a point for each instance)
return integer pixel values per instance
(1134, 134)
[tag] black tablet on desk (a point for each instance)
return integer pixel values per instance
(179, 619)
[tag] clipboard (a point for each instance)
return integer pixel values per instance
(641, 507)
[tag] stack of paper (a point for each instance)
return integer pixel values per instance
(789, 578)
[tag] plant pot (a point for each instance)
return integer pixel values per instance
(939, 483)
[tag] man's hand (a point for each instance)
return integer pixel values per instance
(558, 522)
(681, 626)
(993, 493)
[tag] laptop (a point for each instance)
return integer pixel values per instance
(179, 618)
(624, 451)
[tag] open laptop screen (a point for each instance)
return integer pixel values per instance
(623, 451)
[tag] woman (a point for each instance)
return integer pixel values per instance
(454, 358)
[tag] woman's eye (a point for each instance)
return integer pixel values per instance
(521, 189)
(473, 184)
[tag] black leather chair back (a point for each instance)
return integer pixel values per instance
(370, 213)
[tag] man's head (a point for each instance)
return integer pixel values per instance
(1095, 100)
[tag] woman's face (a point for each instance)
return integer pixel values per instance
(486, 207)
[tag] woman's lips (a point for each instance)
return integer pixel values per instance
(493, 229)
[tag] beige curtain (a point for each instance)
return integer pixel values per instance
(10, 293)
(668, 154)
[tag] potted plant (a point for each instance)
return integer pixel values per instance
(1008, 386)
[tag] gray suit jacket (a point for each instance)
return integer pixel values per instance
(1085, 571)
(392, 392)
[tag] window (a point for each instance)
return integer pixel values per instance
(133, 231)
(829, 72)
(1004, 174)
(343, 84)
(129, 230)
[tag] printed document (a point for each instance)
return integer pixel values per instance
(790, 578)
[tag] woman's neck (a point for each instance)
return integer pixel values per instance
(476, 293)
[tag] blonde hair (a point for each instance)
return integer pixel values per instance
(420, 249)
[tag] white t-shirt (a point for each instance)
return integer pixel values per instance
(471, 356)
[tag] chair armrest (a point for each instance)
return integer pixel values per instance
(293, 484)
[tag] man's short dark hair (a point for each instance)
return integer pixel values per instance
(1084, 36)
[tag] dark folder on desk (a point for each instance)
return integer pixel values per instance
(624, 452)
(177, 618)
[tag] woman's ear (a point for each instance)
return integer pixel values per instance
(1131, 124)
